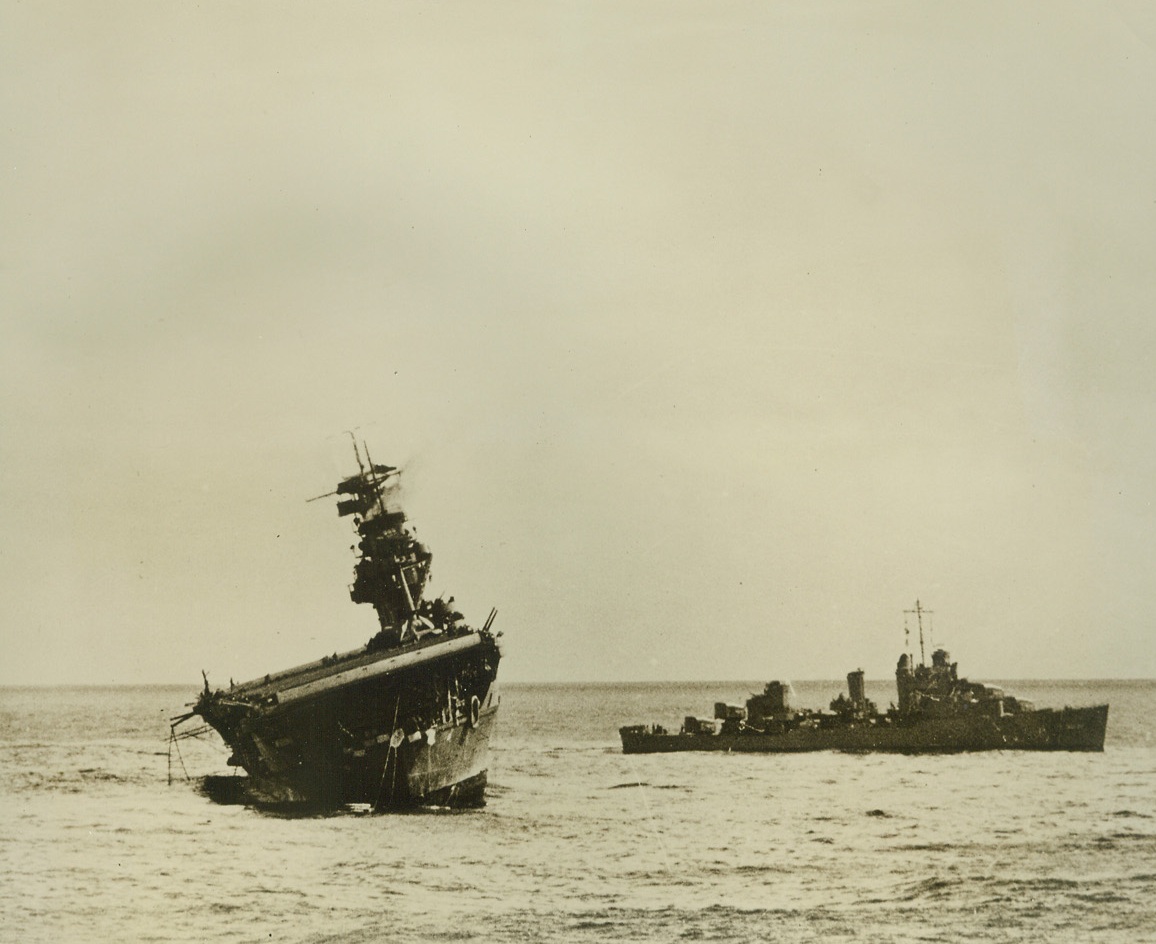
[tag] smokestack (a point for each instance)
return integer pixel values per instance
(856, 690)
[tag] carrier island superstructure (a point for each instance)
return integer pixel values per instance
(405, 719)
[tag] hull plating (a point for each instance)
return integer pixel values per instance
(450, 769)
(418, 734)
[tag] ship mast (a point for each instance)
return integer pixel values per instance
(918, 613)
(374, 480)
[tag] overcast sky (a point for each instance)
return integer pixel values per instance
(710, 335)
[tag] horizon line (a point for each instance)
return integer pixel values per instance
(601, 682)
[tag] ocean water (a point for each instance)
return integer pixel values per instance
(579, 842)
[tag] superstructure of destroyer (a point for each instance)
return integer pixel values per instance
(405, 720)
(937, 712)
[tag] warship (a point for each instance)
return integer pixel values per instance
(403, 721)
(937, 712)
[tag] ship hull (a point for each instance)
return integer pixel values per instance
(391, 730)
(1065, 729)
(447, 768)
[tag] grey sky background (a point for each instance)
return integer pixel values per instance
(710, 335)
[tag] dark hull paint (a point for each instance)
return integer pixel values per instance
(450, 771)
(366, 729)
(1066, 729)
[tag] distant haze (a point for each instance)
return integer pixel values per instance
(710, 335)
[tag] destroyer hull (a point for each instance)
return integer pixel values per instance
(1064, 729)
